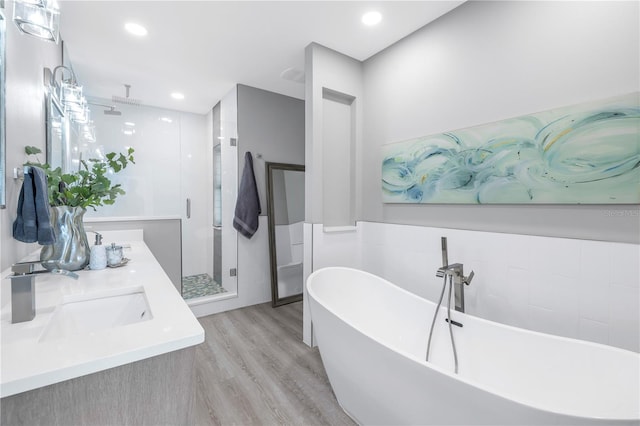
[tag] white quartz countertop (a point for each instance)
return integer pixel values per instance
(27, 362)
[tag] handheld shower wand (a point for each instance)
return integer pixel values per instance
(445, 271)
(445, 255)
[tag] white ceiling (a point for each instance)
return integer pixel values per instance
(204, 48)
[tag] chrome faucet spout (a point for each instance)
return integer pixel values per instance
(457, 280)
(456, 272)
(23, 292)
(23, 297)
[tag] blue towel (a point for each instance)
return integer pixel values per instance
(248, 209)
(33, 221)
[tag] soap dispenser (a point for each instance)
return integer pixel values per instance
(98, 256)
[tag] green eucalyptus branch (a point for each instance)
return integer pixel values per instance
(89, 186)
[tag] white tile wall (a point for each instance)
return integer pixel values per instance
(575, 288)
(335, 248)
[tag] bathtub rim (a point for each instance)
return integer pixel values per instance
(463, 379)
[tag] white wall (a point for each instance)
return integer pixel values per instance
(483, 62)
(486, 61)
(26, 58)
(171, 165)
(582, 289)
(152, 185)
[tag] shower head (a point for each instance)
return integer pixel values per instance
(112, 111)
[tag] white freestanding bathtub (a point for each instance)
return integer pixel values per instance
(372, 337)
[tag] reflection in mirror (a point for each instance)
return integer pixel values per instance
(2, 106)
(57, 135)
(69, 127)
(74, 148)
(285, 193)
(77, 146)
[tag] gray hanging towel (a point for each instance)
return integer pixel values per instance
(33, 221)
(248, 209)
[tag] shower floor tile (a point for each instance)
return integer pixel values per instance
(200, 285)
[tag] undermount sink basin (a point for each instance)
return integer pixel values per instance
(94, 314)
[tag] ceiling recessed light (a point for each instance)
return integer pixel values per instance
(293, 74)
(177, 95)
(166, 119)
(135, 29)
(371, 18)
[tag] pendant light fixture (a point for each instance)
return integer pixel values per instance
(69, 93)
(39, 18)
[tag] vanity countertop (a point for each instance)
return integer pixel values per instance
(29, 362)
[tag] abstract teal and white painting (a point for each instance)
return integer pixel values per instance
(582, 154)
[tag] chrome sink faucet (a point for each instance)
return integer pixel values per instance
(23, 293)
(456, 271)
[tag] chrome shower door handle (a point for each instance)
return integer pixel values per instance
(188, 208)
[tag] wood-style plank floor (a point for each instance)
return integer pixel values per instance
(253, 369)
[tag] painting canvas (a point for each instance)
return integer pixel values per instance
(583, 154)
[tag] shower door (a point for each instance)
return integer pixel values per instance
(217, 212)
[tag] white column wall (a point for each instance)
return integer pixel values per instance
(327, 69)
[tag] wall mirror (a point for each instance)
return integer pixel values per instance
(2, 106)
(285, 210)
